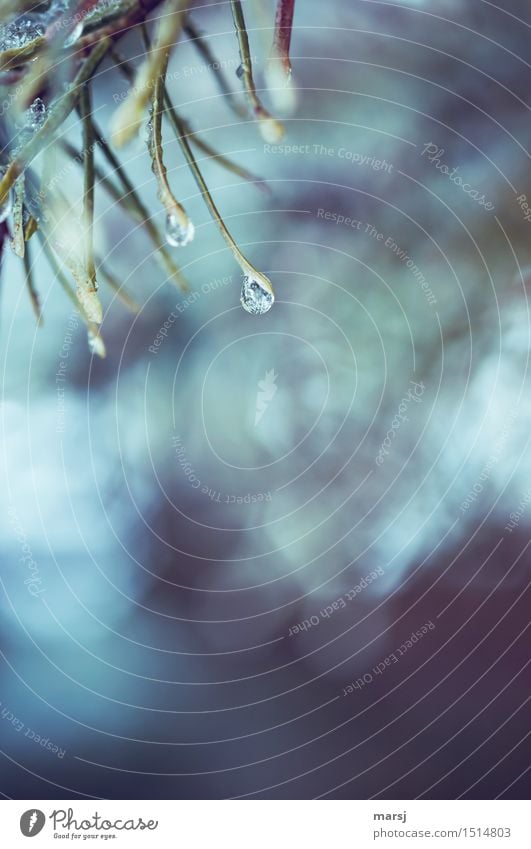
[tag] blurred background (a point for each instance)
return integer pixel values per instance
(288, 556)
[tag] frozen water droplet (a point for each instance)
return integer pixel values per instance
(35, 115)
(239, 71)
(20, 32)
(148, 130)
(256, 298)
(178, 235)
(75, 35)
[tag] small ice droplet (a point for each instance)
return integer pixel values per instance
(35, 115)
(256, 298)
(22, 31)
(75, 35)
(178, 235)
(239, 71)
(148, 131)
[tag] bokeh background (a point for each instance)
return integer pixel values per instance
(170, 518)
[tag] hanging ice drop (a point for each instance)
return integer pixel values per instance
(20, 32)
(177, 234)
(257, 297)
(35, 115)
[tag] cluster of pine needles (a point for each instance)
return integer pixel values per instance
(47, 73)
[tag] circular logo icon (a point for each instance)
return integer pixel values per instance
(32, 822)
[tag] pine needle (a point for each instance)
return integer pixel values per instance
(30, 285)
(85, 106)
(180, 132)
(176, 214)
(117, 287)
(17, 240)
(271, 129)
(223, 160)
(204, 50)
(128, 118)
(136, 206)
(96, 342)
(57, 114)
(278, 67)
(282, 37)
